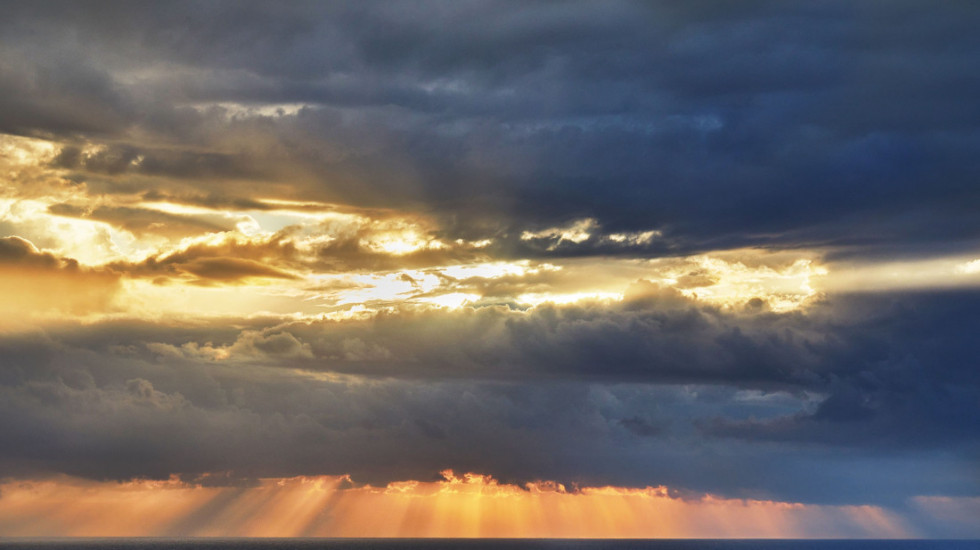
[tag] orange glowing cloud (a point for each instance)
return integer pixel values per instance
(458, 506)
(33, 282)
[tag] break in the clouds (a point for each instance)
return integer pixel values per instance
(710, 253)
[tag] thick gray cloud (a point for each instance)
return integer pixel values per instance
(836, 406)
(848, 127)
(781, 123)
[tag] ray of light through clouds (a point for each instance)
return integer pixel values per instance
(646, 269)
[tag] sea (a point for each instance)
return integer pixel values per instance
(475, 544)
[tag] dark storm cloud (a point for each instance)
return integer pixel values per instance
(909, 379)
(789, 123)
(838, 406)
(116, 160)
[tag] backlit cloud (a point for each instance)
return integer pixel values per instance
(714, 264)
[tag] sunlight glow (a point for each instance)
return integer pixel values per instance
(24, 151)
(453, 300)
(399, 243)
(491, 270)
(943, 272)
(783, 289)
(536, 299)
(640, 238)
(467, 505)
(578, 232)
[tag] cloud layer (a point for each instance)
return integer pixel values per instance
(646, 393)
(764, 123)
(726, 249)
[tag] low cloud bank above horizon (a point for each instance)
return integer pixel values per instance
(730, 251)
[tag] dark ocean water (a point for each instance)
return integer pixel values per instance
(478, 544)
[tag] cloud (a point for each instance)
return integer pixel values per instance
(658, 391)
(39, 283)
(626, 244)
(625, 115)
(641, 427)
(251, 345)
(143, 220)
(230, 269)
(219, 258)
(18, 251)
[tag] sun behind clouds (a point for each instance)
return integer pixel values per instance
(485, 269)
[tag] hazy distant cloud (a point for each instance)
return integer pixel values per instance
(142, 220)
(641, 427)
(229, 269)
(227, 259)
(36, 282)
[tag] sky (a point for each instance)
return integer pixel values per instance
(490, 268)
